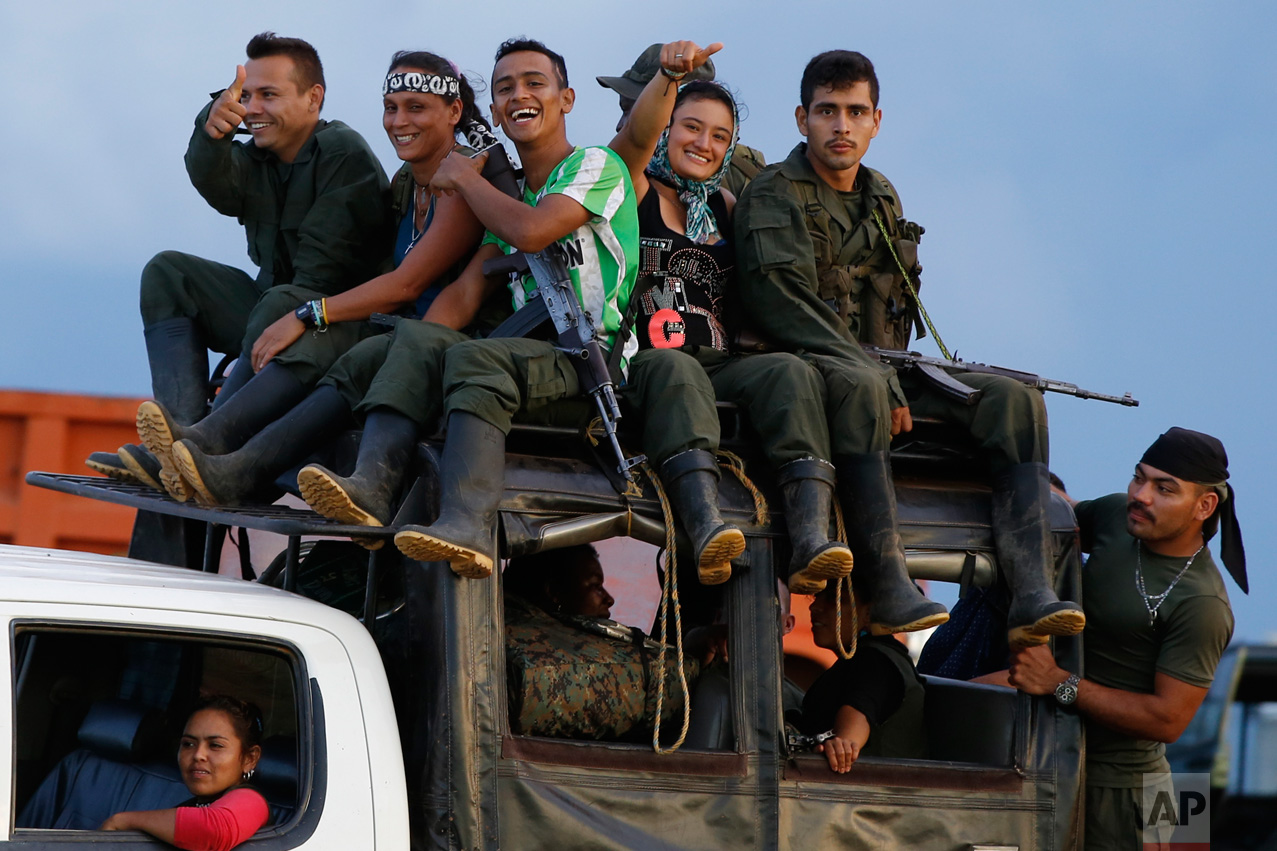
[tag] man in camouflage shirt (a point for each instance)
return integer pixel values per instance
(819, 277)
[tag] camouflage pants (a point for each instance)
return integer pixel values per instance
(217, 297)
(1008, 422)
(310, 357)
(674, 390)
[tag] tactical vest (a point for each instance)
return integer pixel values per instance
(858, 276)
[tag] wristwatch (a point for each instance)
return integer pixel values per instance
(1066, 692)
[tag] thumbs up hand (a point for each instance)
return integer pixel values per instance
(227, 111)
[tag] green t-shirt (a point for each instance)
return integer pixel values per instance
(1122, 650)
(602, 254)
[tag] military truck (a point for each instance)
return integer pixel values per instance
(1004, 770)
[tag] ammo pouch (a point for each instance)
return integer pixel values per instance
(570, 679)
(872, 298)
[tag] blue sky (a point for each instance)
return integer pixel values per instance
(1097, 182)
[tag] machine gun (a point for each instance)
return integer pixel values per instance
(934, 371)
(556, 298)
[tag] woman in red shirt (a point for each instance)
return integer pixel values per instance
(218, 754)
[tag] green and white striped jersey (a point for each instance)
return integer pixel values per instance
(603, 254)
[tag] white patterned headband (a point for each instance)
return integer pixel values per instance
(426, 84)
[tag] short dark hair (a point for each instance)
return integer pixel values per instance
(534, 575)
(838, 69)
(1056, 481)
(531, 45)
(424, 60)
(245, 717)
(308, 70)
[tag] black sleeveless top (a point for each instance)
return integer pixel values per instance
(682, 284)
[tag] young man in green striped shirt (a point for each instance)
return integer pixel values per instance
(578, 199)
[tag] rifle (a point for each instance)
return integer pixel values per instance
(934, 371)
(556, 298)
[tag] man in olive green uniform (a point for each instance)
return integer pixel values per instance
(746, 162)
(313, 199)
(815, 237)
(1158, 620)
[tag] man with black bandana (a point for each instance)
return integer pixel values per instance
(1157, 622)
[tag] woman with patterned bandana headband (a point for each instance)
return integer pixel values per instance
(678, 143)
(427, 105)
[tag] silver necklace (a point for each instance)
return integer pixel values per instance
(1153, 602)
(420, 195)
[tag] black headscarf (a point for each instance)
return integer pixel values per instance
(1201, 459)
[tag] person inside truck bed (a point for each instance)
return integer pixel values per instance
(872, 703)
(217, 756)
(272, 423)
(573, 672)
(1158, 620)
(312, 197)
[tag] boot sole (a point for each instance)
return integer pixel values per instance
(327, 498)
(715, 566)
(120, 474)
(833, 563)
(154, 432)
(140, 474)
(465, 562)
(1060, 623)
(913, 626)
(806, 586)
(190, 475)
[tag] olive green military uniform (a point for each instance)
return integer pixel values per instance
(1124, 651)
(321, 223)
(782, 257)
(746, 163)
(675, 390)
(820, 277)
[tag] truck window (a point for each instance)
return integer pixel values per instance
(99, 712)
(581, 657)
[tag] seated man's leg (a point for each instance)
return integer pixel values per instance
(680, 433)
(485, 383)
(314, 352)
(784, 399)
(231, 478)
(394, 382)
(858, 405)
(1009, 424)
(190, 305)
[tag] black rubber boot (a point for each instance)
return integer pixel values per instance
(691, 483)
(144, 466)
(179, 368)
(1022, 535)
(806, 489)
(471, 481)
(868, 497)
(111, 465)
(367, 497)
(230, 479)
(241, 373)
(270, 394)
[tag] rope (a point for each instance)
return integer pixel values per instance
(844, 652)
(913, 292)
(669, 594)
(736, 465)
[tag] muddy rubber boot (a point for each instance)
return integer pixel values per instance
(270, 394)
(868, 497)
(691, 483)
(471, 481)
(1022, 535)
(144, 466)
(806, 489)
(367, 497)
(110, 465)
(230, 479)
(179, 368)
